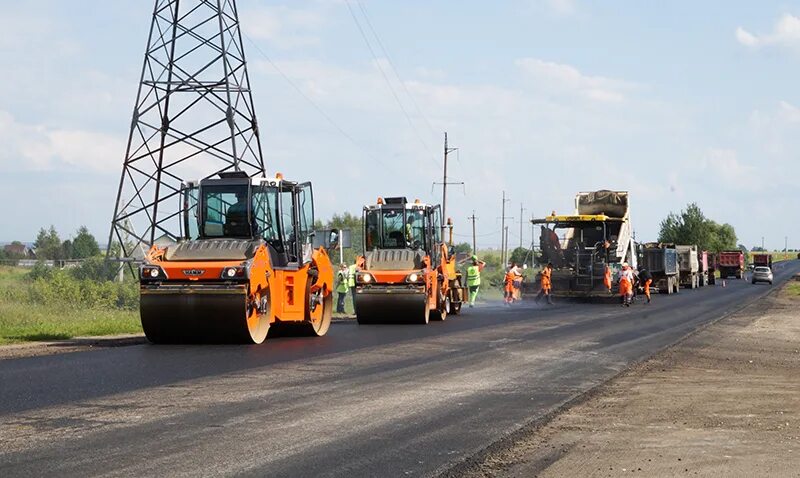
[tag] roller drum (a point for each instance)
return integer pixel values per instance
(200, 315)
(388, 306)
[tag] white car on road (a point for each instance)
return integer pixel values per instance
(762, 274)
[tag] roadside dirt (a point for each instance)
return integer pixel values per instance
(724, 402)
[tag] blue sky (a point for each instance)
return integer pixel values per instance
(676, 102)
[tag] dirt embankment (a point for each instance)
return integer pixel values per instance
(725, 402)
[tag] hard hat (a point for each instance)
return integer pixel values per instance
(474, 257)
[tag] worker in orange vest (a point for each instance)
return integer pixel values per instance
(546, 283)
(508, 283)
(626, 285)
(607, 278)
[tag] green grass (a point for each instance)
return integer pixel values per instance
(22, 319)
(781, 256)
(26, 323)
(793, 289)
(29, 323)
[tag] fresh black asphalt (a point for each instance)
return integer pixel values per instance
(361, 401)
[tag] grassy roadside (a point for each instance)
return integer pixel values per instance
(792, 290)
(32, 323)
(54, 305)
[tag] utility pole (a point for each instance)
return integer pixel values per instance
(444, 183)
(521, 221)
(505, 245)
(503, 230)
(474, 242)
(785, 243)
(762, 243)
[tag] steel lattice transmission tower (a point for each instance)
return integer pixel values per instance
(193, 118)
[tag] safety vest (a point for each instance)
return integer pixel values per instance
(342, 287)
(351, 276)
(473, 276)
(546, 278)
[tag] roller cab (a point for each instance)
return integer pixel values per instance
(244, 264)
(404, 275)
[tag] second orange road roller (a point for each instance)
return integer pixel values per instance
(244, 265)
(407, 273)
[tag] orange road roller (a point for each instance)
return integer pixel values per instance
(407, 274)
(245, 264)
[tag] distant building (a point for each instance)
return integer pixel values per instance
(18, 249)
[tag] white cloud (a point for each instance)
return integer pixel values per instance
(724, 164)
(568, 79)
(786, 33)
(32, 147)
(283, 27)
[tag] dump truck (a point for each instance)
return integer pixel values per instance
(702, 266)
(580, 246)
(244, 264)
(689, 266)
(407, 273)
(713, 267)
(762, 259)
(661, 260)
(731, 264)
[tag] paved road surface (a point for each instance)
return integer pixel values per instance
(362, 401)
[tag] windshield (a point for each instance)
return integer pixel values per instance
(226, 211)
(395, 228)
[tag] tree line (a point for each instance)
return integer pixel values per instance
(691, 226)
(50, 246)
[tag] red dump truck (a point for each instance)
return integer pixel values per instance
(762, 259)
(731, 264)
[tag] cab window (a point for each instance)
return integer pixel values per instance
(265, 210)
(226, 211)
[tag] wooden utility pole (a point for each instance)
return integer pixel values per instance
(444, 185)
(474, 242)
(503, 231)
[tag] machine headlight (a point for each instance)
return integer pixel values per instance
(414, 277)
(152, 272)
(365, 278)
(237, 272)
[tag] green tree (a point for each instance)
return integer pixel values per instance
(521, 255)
(352, 223)
(463, 248)
(84, 245)
(48, 244)
(691, 226)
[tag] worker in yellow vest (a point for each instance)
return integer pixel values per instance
(474, 279)
(351, 282)
(342, 286)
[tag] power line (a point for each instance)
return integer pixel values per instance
(314, 104)
(394, 69)
(386, 79)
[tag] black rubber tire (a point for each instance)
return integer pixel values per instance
(442, 309)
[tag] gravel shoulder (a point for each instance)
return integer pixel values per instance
(724, 402)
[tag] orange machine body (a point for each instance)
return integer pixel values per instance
(228, 289)
(406, 274)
